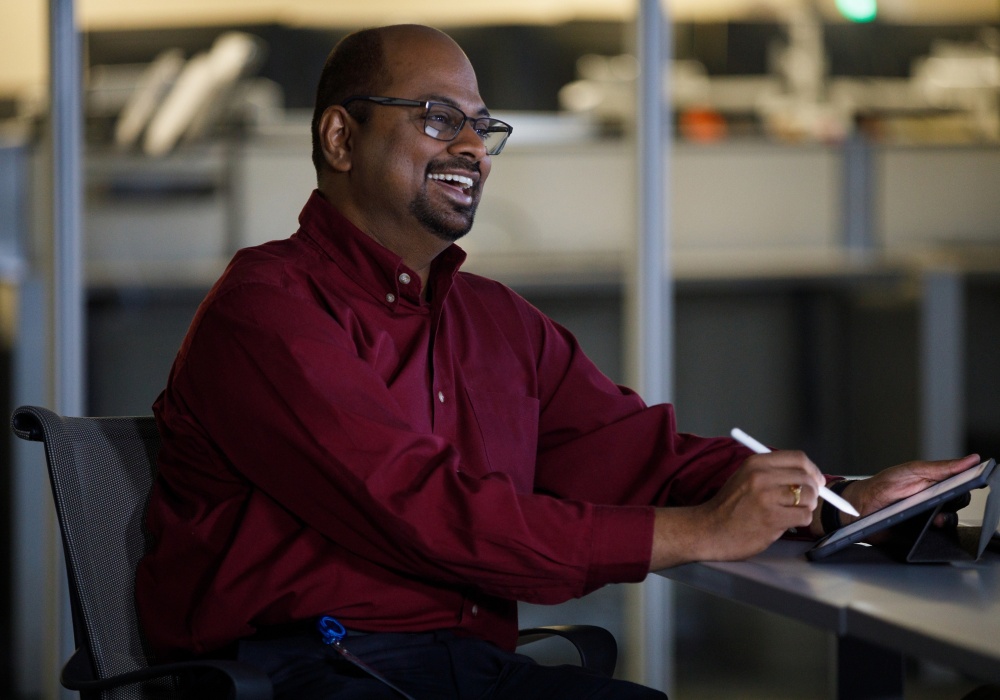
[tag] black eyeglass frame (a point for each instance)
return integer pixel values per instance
(491, 124)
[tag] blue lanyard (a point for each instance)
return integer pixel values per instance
(330, 630)
(332, 633)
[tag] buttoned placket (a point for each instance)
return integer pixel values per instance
(402, 289)
(470, 610)
(439, 391)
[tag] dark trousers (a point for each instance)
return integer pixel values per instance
(427, 666)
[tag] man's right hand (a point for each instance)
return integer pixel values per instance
(752, 510)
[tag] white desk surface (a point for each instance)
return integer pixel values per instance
(949, 614)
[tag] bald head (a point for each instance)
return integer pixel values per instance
(367, 61)
(401, 33)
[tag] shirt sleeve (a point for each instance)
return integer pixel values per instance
(600, 443)
(293, 411)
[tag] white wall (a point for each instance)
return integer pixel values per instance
(23, 48)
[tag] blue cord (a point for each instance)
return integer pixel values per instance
(330, 630)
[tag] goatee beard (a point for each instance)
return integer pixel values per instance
(436, 224)
(439, 222)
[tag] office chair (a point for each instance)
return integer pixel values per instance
(101, 472)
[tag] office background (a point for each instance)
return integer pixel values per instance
(834, 229)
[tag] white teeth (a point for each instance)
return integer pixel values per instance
(465, 182)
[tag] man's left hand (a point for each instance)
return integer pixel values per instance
(895, 483)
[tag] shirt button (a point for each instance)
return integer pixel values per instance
(390, 297)
(475, 610)
(404, 278)
(441, 396)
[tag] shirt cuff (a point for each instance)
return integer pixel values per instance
(621, 545)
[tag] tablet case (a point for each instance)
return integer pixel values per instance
(918, 541)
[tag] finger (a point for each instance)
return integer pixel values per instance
(808, 480)
(964, 463)
(787, 471)
(944, 468)
(801, 496)
(782, 458)
(934, 472)
(798, 461)
(946, 520)
(785, 489)
(800, 515)
(796, 491)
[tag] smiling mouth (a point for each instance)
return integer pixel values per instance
(462, 182)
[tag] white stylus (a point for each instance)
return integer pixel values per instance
(824, 493)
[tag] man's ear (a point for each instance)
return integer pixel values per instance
(335, 138)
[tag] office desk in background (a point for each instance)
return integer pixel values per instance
(880, 610)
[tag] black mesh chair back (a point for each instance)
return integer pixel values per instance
(101, 472)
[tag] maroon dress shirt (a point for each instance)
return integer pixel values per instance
(335, 444)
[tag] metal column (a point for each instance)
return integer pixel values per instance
(651, 613)
(942, 372)
(67, 207)
(67, 277)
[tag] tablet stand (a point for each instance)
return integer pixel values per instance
(929, 545)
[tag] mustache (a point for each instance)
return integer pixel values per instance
(454, 163)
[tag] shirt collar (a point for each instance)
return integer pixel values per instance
(370, 264)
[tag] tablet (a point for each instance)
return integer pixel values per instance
(941, 492)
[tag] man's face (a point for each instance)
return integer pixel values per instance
(407, 178)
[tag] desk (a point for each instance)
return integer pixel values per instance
(879, 609)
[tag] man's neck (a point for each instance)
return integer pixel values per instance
(417, 247)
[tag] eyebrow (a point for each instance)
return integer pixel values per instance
(483, 112)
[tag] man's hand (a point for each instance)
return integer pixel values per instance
(753, 509)
(895, 483)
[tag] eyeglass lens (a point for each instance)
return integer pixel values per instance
(443, 122)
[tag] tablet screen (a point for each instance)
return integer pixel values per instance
(952, 485)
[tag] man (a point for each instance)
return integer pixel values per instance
(355, 428)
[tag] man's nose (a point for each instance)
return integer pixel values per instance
(468, 141)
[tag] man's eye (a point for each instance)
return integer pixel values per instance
(440, 118)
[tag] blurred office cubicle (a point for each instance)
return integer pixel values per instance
(834, 225)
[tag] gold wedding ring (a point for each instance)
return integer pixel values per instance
(797, 492)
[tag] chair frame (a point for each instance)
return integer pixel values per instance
(104, 666)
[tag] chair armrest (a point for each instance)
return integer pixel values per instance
(244, 682)
(596, 646)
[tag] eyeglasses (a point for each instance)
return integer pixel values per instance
(444, 122)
